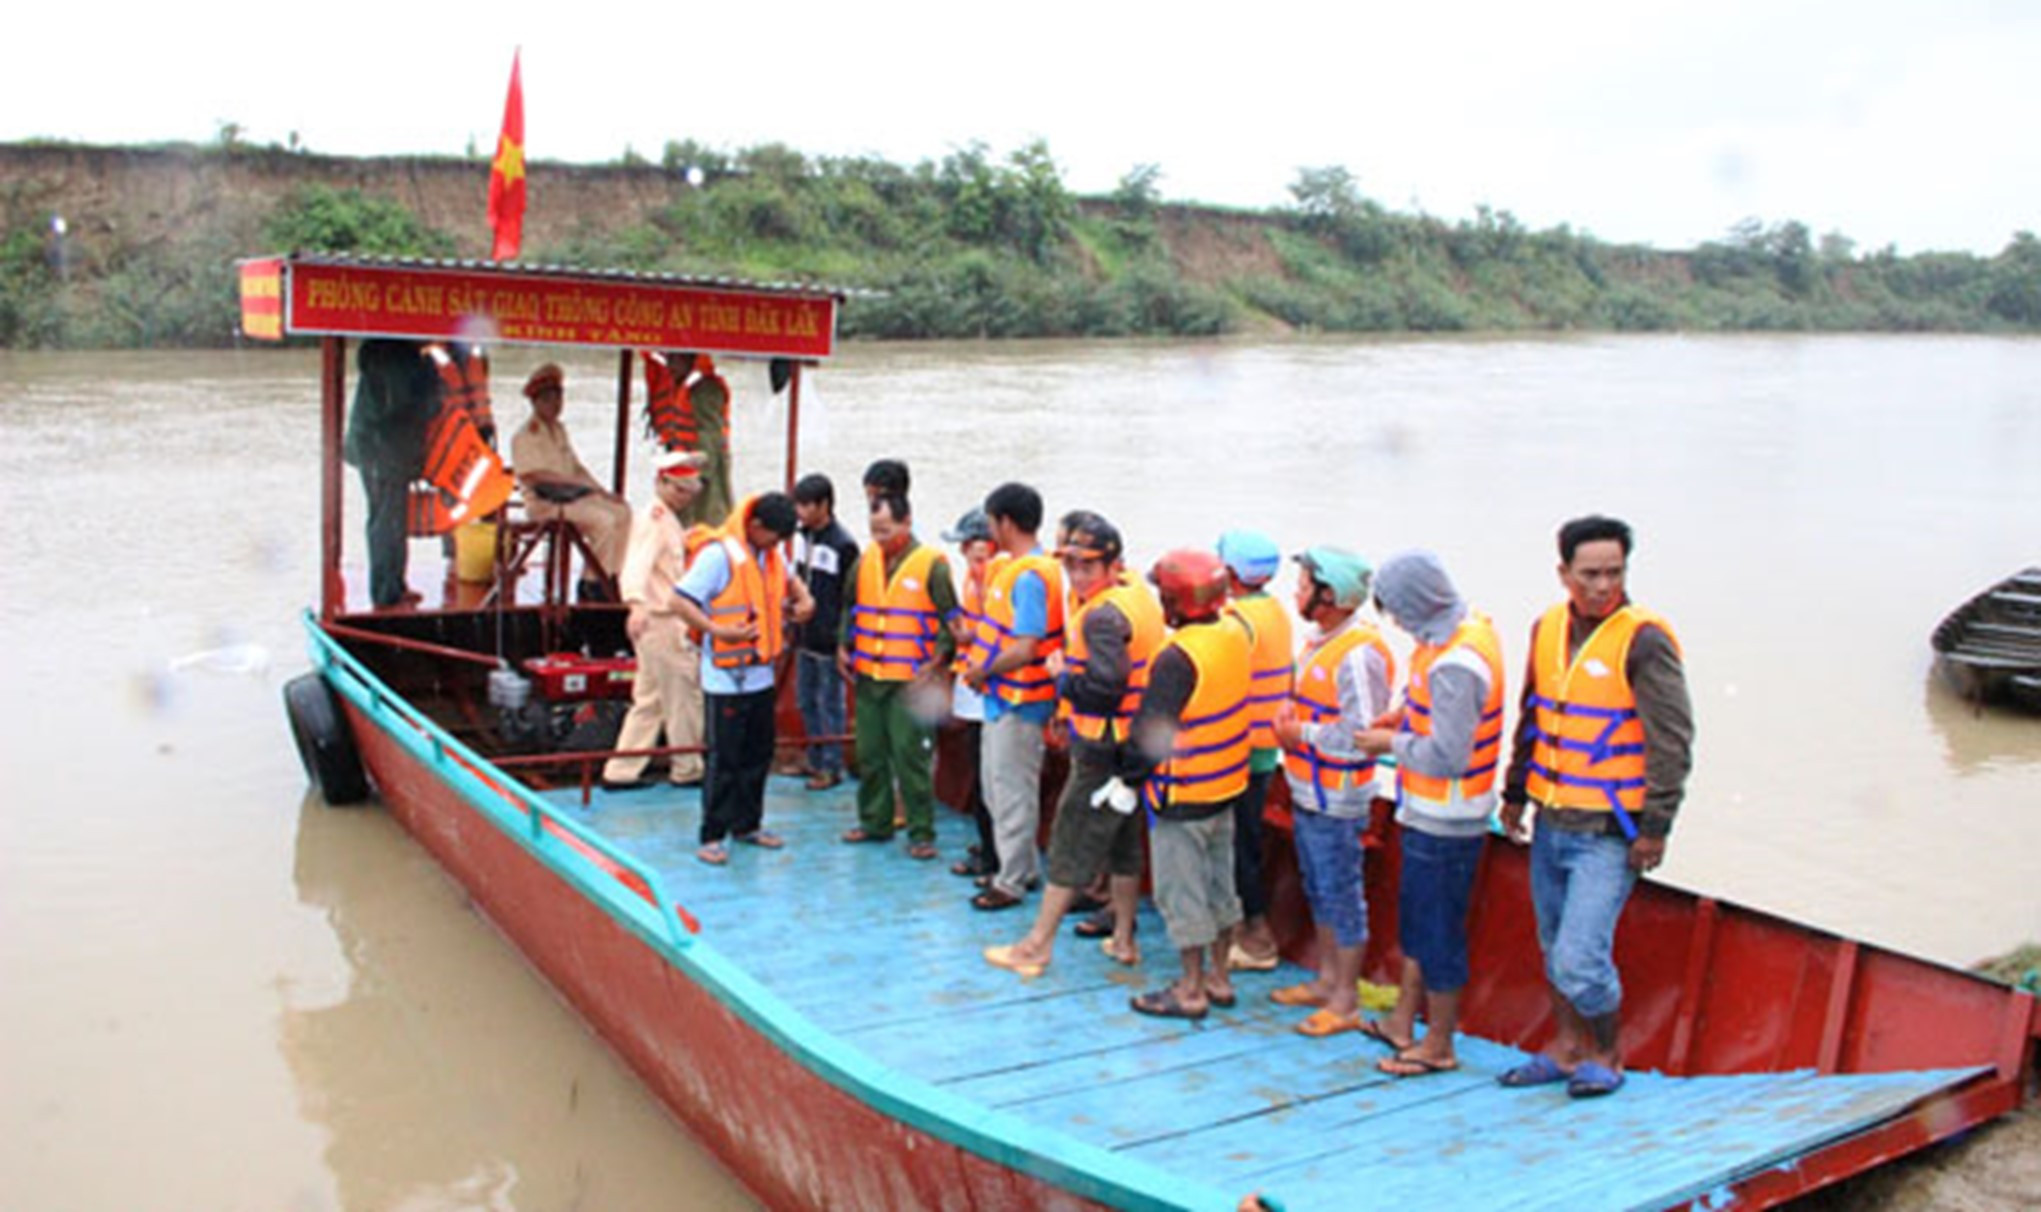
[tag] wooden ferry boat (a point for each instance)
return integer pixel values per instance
(1989, 648)
(819, 1015)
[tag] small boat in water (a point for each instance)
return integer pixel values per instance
(820, 1018)
(1989, 648)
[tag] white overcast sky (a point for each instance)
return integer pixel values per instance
(1656, 121)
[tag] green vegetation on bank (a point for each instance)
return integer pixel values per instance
(983, 245)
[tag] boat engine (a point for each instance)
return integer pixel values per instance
(562, 701)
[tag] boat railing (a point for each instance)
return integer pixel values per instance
(439, 748)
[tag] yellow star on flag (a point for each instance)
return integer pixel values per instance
(509, 163)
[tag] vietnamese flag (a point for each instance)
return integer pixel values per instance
(506, 173)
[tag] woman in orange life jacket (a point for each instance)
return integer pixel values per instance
(973, 537)
(738, 595)
(1446, 738)
(1343, 678)
(1189, 758)
(1251, 560)
(1113, 633)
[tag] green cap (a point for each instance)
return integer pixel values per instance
(1339, 570)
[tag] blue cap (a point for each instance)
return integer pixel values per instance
(1341, 571)
(1252, 555)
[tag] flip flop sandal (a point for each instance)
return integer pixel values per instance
(764, 839)
(1540, 1070)
(921, 851)
(1003, 957)
(1408, 1064)
(715, 854)
(1223, 1001)
(1296, 995)
(1163, 1004)
(1240, 960)
(857, 836)
(1106, 945)
(1098, 925)
(1325, 1022)
(1591, 1080)
(970, 867)
(992, 900)
(1372, 1028)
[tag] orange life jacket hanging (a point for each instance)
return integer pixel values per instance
(464, 479)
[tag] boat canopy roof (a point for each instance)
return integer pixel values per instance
(488, 302)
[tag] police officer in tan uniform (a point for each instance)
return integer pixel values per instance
(556, 483)
(668, 691)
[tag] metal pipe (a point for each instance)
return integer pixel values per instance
(332, 388)
(619, 474)
(343, 631)
(793, 426)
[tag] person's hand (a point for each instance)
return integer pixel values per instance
(1391, 718)
(735, 633)
(974, 677)
(1646, 853)
(1288, 730)
(1055, 664)
(635, 624)
(1513, 822)
(846, 668)
(804, 609)
(1375, 741)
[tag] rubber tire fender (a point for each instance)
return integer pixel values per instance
(325, 744)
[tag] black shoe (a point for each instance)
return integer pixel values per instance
(1085, 902)
(1099, 925)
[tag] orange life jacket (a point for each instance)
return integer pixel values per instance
(1477, 634)
(971, 607)
(1031, 682)
(672, 416)
(1589, 746)
(1208, 759)
(464, 383)
(752, 595)
(1270, 666)
(1138, 605)
(894, 624)
(464, 479)
(1316, 696)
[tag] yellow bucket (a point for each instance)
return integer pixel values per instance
(475, 552)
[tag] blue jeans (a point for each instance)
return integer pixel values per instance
(819, 688)
(1329, 862)
(1432, 902)
(1579, 885)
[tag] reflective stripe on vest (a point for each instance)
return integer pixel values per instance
(1208, 760)
(1031, 682)
(464, 384)
(1147, 631)
(468, 480)
(667, 409)
(893, 621)
(752, 595)
(1316, 696)
(1476, 634)
(1270, 666)
(1588, 749)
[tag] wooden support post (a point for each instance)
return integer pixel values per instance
(332, 413)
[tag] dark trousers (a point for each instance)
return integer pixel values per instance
(980, 815)
(388, 532)
(740, 741)
(1247, 830)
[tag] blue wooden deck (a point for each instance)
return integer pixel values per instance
(881, 952)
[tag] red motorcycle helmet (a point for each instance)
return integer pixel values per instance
(1191, 583)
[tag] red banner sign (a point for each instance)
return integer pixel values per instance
(432, 304)
(262, 299)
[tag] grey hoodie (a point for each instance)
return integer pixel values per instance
(1418, 595)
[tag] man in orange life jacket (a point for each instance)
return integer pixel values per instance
(973, 537)
(1114, 631)
(1251, 560)
(666, 695)
(1023, 624)
(1190, 758)
(737, 593)
(1343, 677)
(1602, 753)
(894, 644)
(395, 399)
(1447, 738)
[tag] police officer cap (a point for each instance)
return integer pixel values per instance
(681, 464)
(1339, 570)
(973, 525)
(1252, 555)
